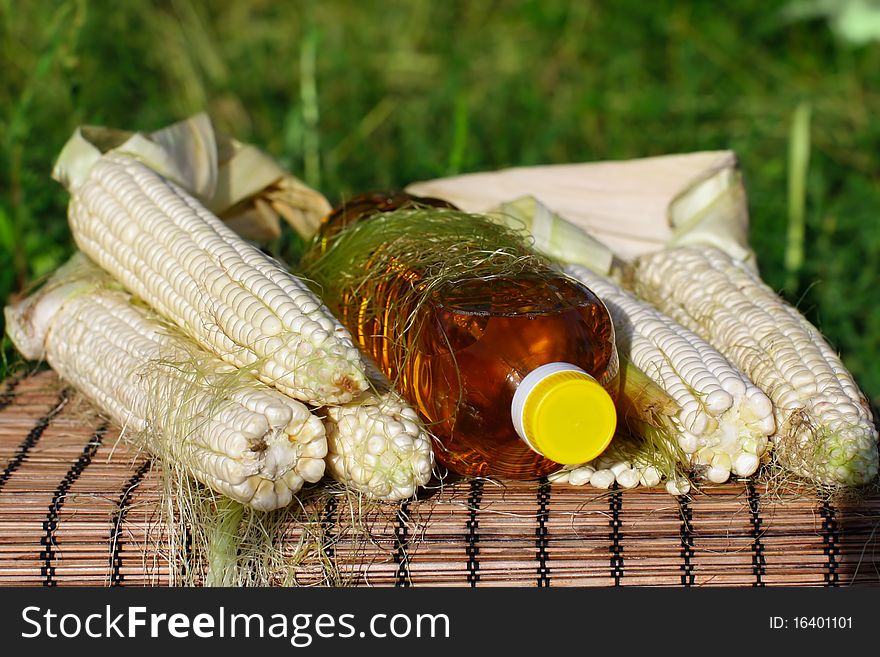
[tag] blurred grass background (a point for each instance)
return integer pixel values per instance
(353, 95)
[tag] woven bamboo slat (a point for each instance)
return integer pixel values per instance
(79, 508)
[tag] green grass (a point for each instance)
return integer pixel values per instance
(358, 95)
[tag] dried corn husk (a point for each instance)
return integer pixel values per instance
(236, 181)
(632, 206)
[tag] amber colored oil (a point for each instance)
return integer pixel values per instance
(461, 359)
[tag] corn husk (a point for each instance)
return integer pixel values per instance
(632, 206)
(236, 181)
(555, 236)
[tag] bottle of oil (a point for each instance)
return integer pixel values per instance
(514, 373)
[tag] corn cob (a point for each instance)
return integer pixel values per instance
(725, 420)
(236, 302)
(824, 426)
(228, 430)
(378, 445)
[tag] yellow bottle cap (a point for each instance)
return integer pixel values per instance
(563, 413)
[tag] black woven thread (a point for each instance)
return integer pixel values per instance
(687, 541)
(185, 566)
(830, 543)
(119, 515)
(471, 547)
(759, 563)
(31, 440)
(541, 533)
(8, 394)
(615, 504)
(59, 497)
(401, 543)
(328, 524)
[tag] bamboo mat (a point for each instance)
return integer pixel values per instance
(76, 508)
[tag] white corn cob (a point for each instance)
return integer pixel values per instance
(378, 446)
(196, 412)
(725, 420)
(236, 302)
(824, 426)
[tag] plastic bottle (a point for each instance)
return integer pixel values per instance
(514, 376)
